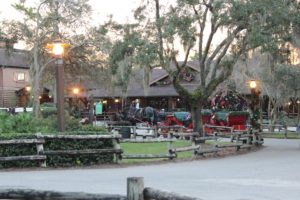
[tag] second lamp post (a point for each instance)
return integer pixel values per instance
(58, 51)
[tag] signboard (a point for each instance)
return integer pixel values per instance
(98, 109)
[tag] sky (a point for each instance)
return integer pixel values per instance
(120, 9)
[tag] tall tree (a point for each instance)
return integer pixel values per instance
(281, 86)
(48, 21)
(221, 31)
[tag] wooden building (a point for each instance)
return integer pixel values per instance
(14, 76)
(159, 94)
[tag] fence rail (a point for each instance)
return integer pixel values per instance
(135, 191)
(39, 147)
(239, 140)
(23, 194)
(272, 129)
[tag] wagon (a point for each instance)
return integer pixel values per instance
(183, 121)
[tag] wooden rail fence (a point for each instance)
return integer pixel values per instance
(116, 150)
(135, 191)
(273, 127)
(39, 146)
(42, 154)
(239, 140)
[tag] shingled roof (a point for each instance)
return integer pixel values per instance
(15, 58)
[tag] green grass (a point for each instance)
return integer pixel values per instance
(152, 148)
(281, 135)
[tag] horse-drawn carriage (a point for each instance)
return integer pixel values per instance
(227, 111)
(183, 121)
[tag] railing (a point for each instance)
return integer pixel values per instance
(170, 149)
(39, 146)
(272, 129)
(239, 140)
(135, 191)
(116, 150)
(42, 154)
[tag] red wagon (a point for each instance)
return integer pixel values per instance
(182, 120)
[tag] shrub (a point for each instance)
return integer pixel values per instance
(48, 105)
(75, 160)
(18, 150)
(57, 144)
(48, 111)
(20, 123)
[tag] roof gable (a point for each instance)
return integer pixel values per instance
(163, 74)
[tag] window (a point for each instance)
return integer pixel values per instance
(20, 76)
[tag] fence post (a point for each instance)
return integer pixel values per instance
(135, 188)
(116, 147)
(40, 149)
(156, 132)
(170, 144)
(254, 138)
(237, 138)
(134, 132)
(285, 131)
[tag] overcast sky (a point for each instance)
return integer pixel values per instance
(120, 9)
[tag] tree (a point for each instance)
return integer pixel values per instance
(281, 85)
(49, 20)
(247, 26)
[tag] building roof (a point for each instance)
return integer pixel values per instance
(15, 58)
(136, 88)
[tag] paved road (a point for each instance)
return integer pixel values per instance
(272, 173)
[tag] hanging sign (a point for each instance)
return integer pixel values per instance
(99, 109)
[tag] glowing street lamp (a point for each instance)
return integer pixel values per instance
(28, 88)
(254, 103)
(253, 84)
(57, 48)
(75, 91)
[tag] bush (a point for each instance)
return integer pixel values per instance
(23, 125)
(57, 144)
(18, 150)
(48, 111)
(48, 105)
(20, 123)
(75, 160)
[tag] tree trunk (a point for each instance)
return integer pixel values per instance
(36, 100)
(196, 117)
(273, 118)
(298, 106)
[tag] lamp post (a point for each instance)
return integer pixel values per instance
(58, 49)
(76, 91)
(253, 85)
(254, 103)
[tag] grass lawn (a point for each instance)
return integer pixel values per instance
(281, 135)
(153, 148)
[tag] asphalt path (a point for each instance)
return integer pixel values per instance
(272, 173)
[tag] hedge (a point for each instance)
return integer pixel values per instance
(18, 150)
(57, 144)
